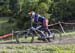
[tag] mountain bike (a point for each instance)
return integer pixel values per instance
(31, 35)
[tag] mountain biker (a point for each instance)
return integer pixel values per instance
(36, 18)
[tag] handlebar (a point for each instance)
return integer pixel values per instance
(36, 28)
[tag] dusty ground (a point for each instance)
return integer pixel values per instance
(9, 45)
(65, 40)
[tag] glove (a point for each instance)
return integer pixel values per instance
(33, 28)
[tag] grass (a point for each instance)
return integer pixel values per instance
(39, 48)
(5, 27)
(3, 20)
(68, 33)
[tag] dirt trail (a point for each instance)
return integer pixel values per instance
(68, 40)
(65, 40)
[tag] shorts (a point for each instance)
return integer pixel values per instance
(45, 24)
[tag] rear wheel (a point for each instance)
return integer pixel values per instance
(55, 35)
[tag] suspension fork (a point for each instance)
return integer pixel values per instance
(27, 33)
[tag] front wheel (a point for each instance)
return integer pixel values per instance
(20, 37)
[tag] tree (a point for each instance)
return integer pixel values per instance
(63, 10)
(42, 8)
(4, 8)
(21, 18)
(13, 6)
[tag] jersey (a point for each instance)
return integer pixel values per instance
(37, 18)
(41, 19)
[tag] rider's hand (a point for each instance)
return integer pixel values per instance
(33, 28)
(38, 27)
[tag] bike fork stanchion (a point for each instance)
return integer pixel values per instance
(26, 35)
(32, 40)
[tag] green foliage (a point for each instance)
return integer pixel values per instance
(42, 8)
(21, 17)
(63, 10)
(55, 10)
(5, 28)
(4, 8)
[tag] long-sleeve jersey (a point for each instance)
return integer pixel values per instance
(37, 17)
